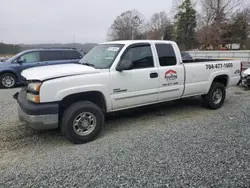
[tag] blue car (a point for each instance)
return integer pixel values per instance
(10, 70)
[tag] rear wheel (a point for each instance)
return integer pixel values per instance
(8, 80)
(215, 97)
(82, 122)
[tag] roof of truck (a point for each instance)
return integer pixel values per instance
(135, 41)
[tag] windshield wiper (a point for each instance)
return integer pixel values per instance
(88, 64)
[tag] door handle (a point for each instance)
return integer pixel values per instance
(153, 75)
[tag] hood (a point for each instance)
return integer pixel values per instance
(55, 71)
(3, 64)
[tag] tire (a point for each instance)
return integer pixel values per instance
(11, 80)
(83, 111)
(214, 102)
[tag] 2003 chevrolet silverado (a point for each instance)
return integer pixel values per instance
(115, 76)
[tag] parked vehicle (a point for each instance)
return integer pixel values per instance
(246, 78)
(115, 76)
(10, 71)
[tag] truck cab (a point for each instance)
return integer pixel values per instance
(115, 76)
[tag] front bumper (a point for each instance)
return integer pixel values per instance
(48, 121)
(37, 116)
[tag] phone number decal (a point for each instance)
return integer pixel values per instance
(219, 65)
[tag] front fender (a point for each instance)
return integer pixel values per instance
(4, 70)
(86, 88)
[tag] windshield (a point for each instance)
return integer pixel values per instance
(102, 56)
(14, 57)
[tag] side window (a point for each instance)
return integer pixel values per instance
(51, 55)
(166, 54)
(140, 56)
(30, 57)
(71, 55)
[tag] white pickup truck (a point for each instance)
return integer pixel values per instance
(115, 76)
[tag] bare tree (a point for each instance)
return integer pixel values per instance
(216, 15)
(158, 23)
(129, 25)
(222, 8)
(240, 27)
(204, 22)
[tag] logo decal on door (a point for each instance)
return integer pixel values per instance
(171, 75)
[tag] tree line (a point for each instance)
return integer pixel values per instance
(211, 24)
(6, 49)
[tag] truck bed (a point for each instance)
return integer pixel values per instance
(201, 72)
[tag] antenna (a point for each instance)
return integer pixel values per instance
(73, 39)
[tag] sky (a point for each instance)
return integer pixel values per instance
(57, 21)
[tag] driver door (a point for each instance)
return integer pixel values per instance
(138, 86)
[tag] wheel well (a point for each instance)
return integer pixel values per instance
(93, 96)
(223, 79)
(9, 73)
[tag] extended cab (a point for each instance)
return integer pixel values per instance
(115, 76)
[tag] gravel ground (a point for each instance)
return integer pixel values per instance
(179, 144)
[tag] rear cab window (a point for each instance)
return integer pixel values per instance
(166, 54)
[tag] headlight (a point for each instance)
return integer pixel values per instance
(33, 90)
(33, 98)
(34, 87)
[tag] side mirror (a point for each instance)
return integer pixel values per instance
(124, 65)
(19, 61)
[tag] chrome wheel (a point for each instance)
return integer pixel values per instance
(217, 96)
(84, 123)
(8, 81)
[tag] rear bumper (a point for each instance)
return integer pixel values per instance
(37, 116)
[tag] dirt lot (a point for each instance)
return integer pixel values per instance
(172, 145)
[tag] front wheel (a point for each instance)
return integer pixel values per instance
(7, 80)
(215, 97)
(82, 122)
